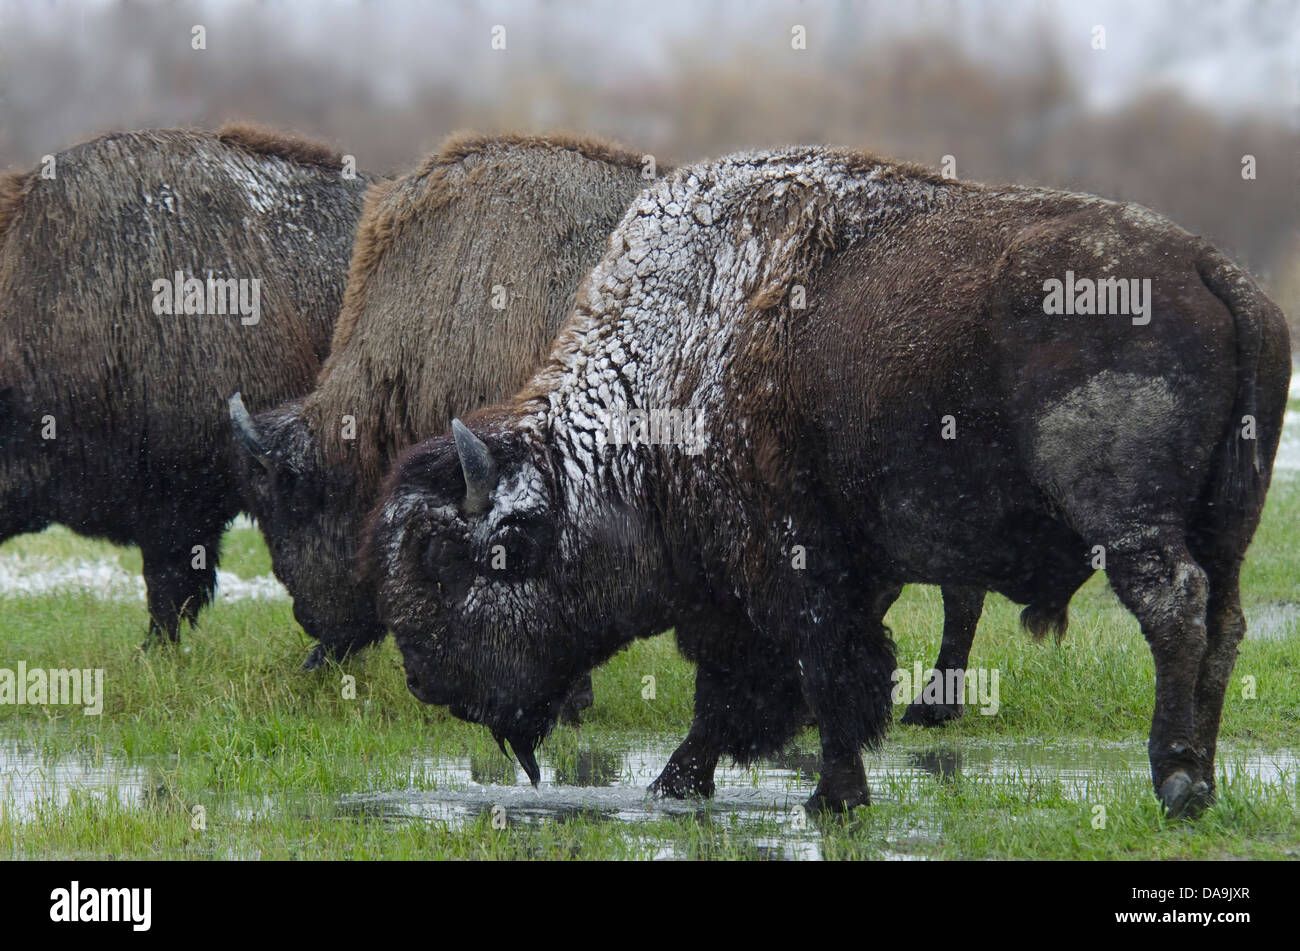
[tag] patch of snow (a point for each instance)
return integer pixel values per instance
(23, 576)
(1288, 450)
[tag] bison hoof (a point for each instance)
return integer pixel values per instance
(678, 783)
(1183, 798)
(316, 658)
(931, 714)
(830, 802)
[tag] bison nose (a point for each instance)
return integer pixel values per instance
(412, 682)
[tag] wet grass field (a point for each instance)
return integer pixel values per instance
(222, 748)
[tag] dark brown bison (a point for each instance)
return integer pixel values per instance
(933, 412)
(128, 310)
(462, 274)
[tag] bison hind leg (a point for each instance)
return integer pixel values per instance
(962, 607)
(1162, 584)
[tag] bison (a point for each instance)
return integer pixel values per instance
(873, 366)
(143, 276)
(463, 271)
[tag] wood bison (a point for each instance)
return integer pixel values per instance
(143, 277)
(462, 274)
(926, 314)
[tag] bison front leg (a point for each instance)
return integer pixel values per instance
(962, 608)
(846, 678)
(690, 769)
(1168, 592)
(180, 580)
(748, 704)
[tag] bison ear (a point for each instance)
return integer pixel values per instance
(246, 430)
(478, 467)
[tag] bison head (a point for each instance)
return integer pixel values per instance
(311, 515)
(484, 580)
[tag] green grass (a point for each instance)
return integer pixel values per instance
(282, 762)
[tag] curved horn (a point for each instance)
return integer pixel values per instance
(247, 432)
(477, 464)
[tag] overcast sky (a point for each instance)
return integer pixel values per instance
(1233, 55)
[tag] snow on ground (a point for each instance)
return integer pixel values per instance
(1288, 452)
(23, 576)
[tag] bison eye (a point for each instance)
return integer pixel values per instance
(521, 545)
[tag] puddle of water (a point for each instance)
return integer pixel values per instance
(460, 790)
(30, 782)
(758, 806)
(1273, 622)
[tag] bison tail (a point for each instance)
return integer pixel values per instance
(1239, 480)
(1042, 619)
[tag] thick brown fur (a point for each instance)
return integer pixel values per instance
(929, 413)
(261, 140)
(11, 191)
(419, 339)
(141, 447)
(406, 392)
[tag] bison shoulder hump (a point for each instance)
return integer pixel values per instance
(260, 140)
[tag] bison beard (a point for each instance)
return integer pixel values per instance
(525, 748)
(825, 432)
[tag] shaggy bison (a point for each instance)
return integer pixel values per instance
(462, 274)
(143, 276)
(875, 368)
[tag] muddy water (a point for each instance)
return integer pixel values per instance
(758, 806)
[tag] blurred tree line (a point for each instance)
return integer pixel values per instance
(388, 95)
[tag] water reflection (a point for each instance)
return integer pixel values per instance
(589, 767)
(943, 764)
(756, 812)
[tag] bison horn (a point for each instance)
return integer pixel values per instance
(477, 464)
(247, 432)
